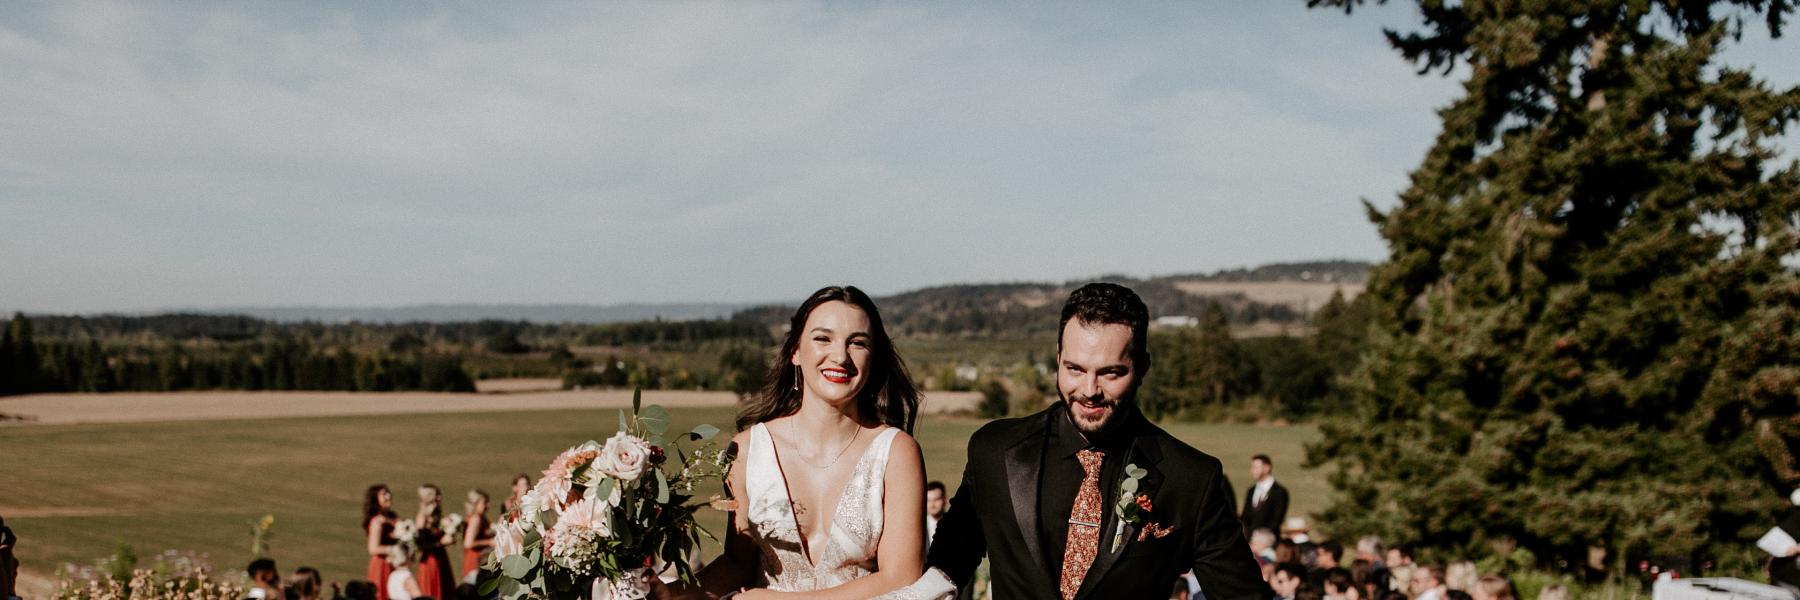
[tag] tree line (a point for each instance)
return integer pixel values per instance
(31, 366)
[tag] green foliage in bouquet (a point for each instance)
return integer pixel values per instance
(607, 515)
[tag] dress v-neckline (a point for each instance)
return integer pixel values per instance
(806, 546)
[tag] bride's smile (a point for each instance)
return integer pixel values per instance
(835, 356)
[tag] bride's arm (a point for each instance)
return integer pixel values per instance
(736, 565)
(900, 553)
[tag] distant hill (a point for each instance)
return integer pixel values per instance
(1275, 293)
(448, 313)
(1324, 271)
(1280, 293)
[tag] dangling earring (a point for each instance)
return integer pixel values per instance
(796, 378)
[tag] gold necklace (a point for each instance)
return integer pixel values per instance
(840, 454)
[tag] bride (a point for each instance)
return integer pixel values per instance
(828, 485)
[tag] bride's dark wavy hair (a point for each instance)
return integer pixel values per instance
(889, 394)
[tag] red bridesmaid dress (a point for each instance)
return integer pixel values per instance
(484, 532)
(435, 577)
(379, 569)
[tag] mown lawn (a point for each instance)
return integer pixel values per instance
(70, 492)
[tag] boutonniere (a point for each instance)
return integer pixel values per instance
(1131, 506)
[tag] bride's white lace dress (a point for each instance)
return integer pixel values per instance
(849, 552)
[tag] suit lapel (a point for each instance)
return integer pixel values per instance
(1024, 466)
(1145, 454)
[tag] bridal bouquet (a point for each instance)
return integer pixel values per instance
(605, 513)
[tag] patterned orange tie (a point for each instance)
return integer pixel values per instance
(1084, 525)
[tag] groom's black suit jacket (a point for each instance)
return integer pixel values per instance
(995, 514)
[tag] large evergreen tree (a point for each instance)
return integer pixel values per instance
(1585, 334)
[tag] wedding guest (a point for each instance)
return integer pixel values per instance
(360, 590)
(935, 503)
(1369, 581)
(478, 534)
(1324, 559)
(305, 584)
(1339, 585)
(1189, 586)
(1329, 555)
(1400, 568)
(9, 563)
(1428, 583)
(1298, 530)
(378, 530)
(521, 484)
(1266, 502)
(1287, 580)
(1262, 543)
(435, 578)
(1461, 575)
(1784, 563)
(1287, 552)
(401, 585)
(1554, 591)
(1368, 548)
(265, 580)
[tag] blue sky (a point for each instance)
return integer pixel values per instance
(376, 154)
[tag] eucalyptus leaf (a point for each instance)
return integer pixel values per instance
(624, 424)
(488, 585)
(605, 489)
(703, 431)
(655, 419)
(662, 487)
(516, 567)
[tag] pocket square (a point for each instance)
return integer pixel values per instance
(1154, 531)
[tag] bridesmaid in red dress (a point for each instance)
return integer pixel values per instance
(435, 577)
(510, 507)
(478, 534)
(378, 528)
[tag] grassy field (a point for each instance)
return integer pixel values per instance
(72, 491)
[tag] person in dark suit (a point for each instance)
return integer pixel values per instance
(1088, 499)
(1266, 502)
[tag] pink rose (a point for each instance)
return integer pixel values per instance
(624, 456)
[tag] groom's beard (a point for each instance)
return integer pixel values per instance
(1092, 414)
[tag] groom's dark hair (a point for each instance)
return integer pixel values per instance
(1111, 304)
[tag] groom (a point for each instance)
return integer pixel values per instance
(1088, 499)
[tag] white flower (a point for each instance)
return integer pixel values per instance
(578, 535)
(509, 540)
(625, 456)
(530, 505)
(406, 531)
